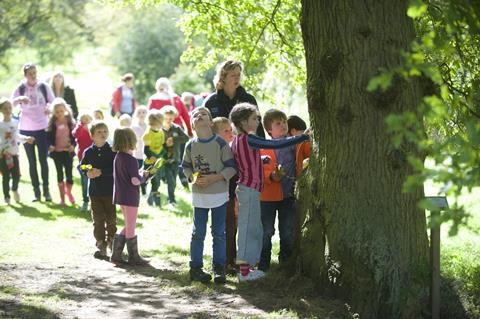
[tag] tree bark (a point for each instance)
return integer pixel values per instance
(352, 196)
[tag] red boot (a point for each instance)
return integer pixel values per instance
(68, 192)
(61, 190)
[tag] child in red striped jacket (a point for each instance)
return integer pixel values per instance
(246, 149)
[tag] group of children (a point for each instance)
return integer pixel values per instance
(242, 179)
(265, 173)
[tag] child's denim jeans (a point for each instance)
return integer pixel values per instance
(286, 227)
(200, 218)
(250, 230)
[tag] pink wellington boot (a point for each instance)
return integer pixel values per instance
(61, 190)
(68, 192)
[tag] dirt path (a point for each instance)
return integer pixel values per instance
(47, 271)
(96, 289)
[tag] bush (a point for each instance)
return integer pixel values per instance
(461, 268)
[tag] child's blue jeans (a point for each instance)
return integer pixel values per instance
(286, 228)
(250, 230)
(200, 218)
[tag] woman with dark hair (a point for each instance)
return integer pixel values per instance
(33, 98)
(229, 92)
(60, 89)
(123, 99)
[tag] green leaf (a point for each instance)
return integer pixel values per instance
(416, 9)
(381, 81)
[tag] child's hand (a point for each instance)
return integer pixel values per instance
(71, 149)
(305, 163)
(22, 99)
(169, 142)
(91, 174)
(277, 174)
(201, 181)
(206, 180)
(96, 172)
(145, 173)
(30, 140)
(51, 148)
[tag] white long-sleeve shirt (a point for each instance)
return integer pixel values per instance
(10, 137)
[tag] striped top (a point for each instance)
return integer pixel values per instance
(246, 149)
(249, 164)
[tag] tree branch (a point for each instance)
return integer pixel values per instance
(274, 12)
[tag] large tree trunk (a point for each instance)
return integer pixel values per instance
(352, 196)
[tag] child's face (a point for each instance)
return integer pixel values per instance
(60, 111)
(250, 125)
(226, 132)
(100, 135)
(126, 122)
(156, 126)
(200, 119)
(279, 128)
(295, 132)
(141, 114)
(86, 119)
(98, 115)
(168, 119)
(58, 80)
(7, 109)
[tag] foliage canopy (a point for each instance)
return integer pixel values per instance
(54, 28)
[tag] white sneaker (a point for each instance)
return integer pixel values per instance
(251, 276)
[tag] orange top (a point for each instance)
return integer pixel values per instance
(303, 152)
(272, 191)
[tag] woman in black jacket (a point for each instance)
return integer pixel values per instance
(57, 82)
(229, 92)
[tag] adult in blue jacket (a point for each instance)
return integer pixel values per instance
(229, 92)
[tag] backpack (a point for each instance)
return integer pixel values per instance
(43, 89)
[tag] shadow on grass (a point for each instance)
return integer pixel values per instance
(182, 209)
(18, 309)
(451, 305)
(52, 211)
(279, 292)
(33, 212)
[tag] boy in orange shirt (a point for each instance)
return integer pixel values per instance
(297, 126)
(280, 171)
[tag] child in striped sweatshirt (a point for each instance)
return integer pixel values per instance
(246, 149)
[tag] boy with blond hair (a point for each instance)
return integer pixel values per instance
(153, 141)
(208, 162)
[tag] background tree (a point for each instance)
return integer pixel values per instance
(187, 79)
(150, 47)
(56, 29)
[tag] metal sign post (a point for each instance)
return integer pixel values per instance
(441, 204)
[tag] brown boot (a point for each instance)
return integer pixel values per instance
(117, 249)
(101, 253)
(134, 258)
